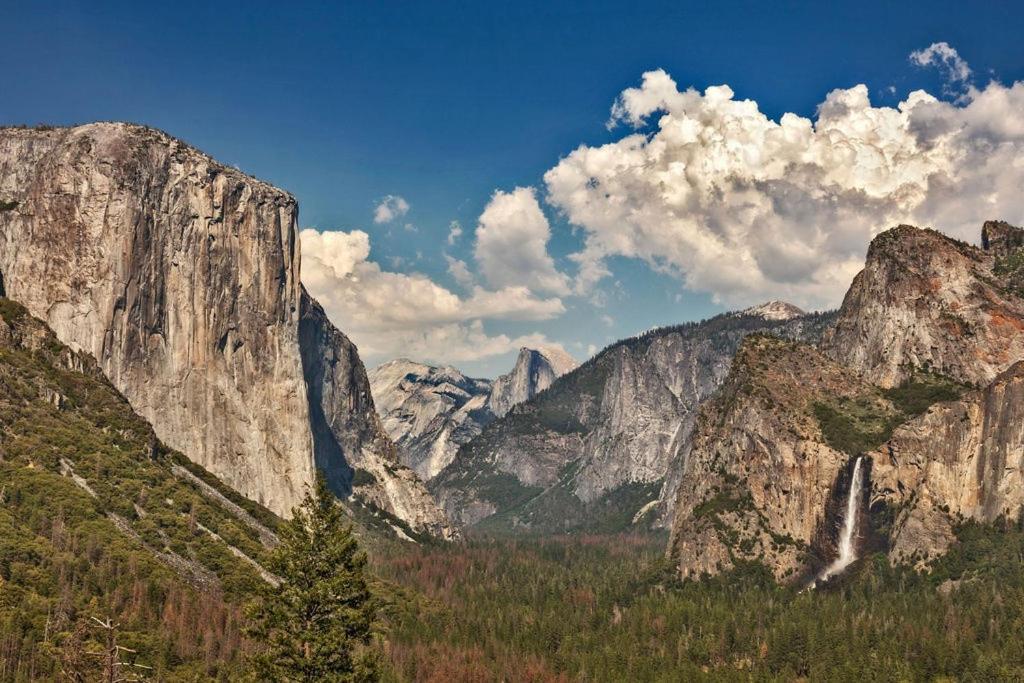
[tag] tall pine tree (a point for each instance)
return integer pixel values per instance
(317, 624)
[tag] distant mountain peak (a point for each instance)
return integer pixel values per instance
(534, 372)
(559, 360)
(775, 310)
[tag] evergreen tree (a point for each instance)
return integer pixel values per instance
(317, 624)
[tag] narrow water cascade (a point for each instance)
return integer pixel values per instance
(848, 534)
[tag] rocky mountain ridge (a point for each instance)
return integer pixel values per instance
(920, 379)
(924, 299)
(596, 449)
(535, 370)
(430, 411)
(181, 277)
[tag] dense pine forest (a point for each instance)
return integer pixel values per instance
(99, 523)
(607, 608)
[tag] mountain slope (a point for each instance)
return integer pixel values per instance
(99, 519)
(595, 447)
(428, 411)
(963, 459)
(768, 475)
(181, 277)
(535, 370)
(761, 480)
(926, 300)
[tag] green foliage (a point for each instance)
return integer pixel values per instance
(317, 624)
(138, 546)
(722, 503)
(610, 608)
(915, 395)
(557, 510)
(8, 205)
(502, 489)
(361, 477)
(1009, 264)
(857, 425)
(1011, 269)
(12, 311)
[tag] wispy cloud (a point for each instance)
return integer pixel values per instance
(389, 209)
(943, 57)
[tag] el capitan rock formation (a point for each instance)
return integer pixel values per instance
(181, 277)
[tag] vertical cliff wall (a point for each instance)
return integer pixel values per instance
(604, 440)
(925, 300)
(181, 277)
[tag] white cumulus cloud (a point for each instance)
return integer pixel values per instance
(390, 208)
(750, 208)
(391, 314)
(511, 243)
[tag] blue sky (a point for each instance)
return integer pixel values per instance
(443, 104)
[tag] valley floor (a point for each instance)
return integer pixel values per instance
(606, 608)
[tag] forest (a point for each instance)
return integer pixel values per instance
(101, 524)
(608, 608)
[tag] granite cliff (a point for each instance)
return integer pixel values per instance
(535, 370)
(963, 459)
(926, 300)
(595, 450)
(920, 379)
(430, 411)
(181, 277)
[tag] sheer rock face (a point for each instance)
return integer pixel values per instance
(758, 481)
(181, 277)
(429, 411)
(535, 371)
(961, 459)
(925, 300)
(614, 426)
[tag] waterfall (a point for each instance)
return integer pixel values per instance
(847, 537)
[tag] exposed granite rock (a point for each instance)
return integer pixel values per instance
(770, 459)
(961, 460)
(429, 411)
(347, 432)
(1001, 239)
(759, 482)
(926, 300)
(599, 442)
(181, 277)
(775, 310)
(535, 371)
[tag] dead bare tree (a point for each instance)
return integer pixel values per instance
(114, 668)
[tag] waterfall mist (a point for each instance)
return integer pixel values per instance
(847, 536)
